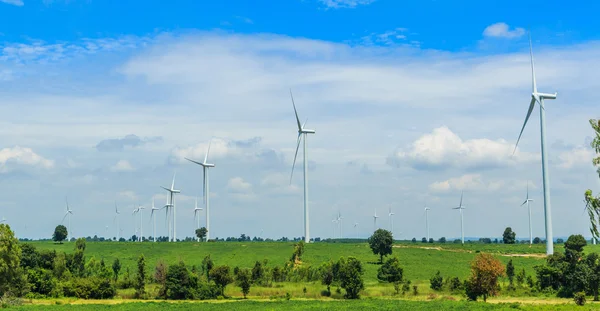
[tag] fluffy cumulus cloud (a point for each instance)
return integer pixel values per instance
(119, 144)
(579, 156)
(476, 182)
(122, 166)
(443, 149)
(502, 30)
(18, 155)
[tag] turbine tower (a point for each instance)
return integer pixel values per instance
(205, 190)
(356, 230)
(334, 222)
(117, 220)
(135, 211)
(539, 98)
(197, 211)
(172, 193)
(460, 207)
(69, 212)
(302, 132)
(339, 218)
(375, 221)
(167, 207)
(390, 215)
(527, 200)
(153, 219)
(141, 209)
(427, 221)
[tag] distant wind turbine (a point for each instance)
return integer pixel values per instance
(539, 98)
(117, 220)
(205, 190)
(375, 221)
(302, 132)
(527, 200)
(153, 219)
(68, 212)
(460, 207)
(172, 193)
(356, 230)
(340, 218)
(427, 209)
(334, 221)
(197, 211)
(391, 217)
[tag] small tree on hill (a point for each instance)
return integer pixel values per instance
(391, 272)
(350, 274)
(244, 281)
(510, 272)
(60, 234)
(327, 275)
(221, 276)
(485, 271)
(508, 237)
(436, 281)
(140, 280)
(574, 248)
(116, 267)
(381, 243)
(201, 233)
(207, 265)
(298, 251)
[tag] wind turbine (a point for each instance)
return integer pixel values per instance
(197, 210)
(334, 222)
(460, 207)
(339, 218)
(135, 211)
(117, 220)
(355, 230)
(153, 218)
(302, 131)
(539, 98)
(527, 200)
(172, 192)
(390, 215)
(205, 190)
(69, 212)
(375, 221)
(427, 209)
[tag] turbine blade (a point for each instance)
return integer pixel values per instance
(533, 83)
(295, 156)
(461, 197)
(524, 202)
(196, 162)
(295, 111)
(64, 218)
(207, 151)
(531, 105)
(173, 183)
(167, 190)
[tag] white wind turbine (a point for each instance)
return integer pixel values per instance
(68, 212)
(206, 190)
(460, 207)
(117, 220)
(334, 222)
(375, 221)
(339, 218)
(539, 98)
(197, 211)
(302, 132)
(427, 209)
(135, 211)
(172, 193)
(153, 219)
(390, 215)
(527, 200)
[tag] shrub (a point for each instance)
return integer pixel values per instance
(350, 273)
(180, 283)
(437, 281)
(90, 288)
(221, 276)
(455, 284)
(579, 298)
(244, 280)
(391, 272)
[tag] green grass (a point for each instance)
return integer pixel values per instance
(292, 305)
(419, 264)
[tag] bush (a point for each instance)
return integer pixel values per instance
(455, 284)
(391, 272)
(350, 273)
(207, 291)
(437, 281)
(579, 298)
(90, 288)
(180, 283)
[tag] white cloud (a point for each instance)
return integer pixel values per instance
(237, 184)
(122, 166)
(390, 37)
(502, 30)
(336, 4)
(219, 148)
(13, 2)
(444, 149)
(476, 182)
(579, 156)
(22, 156)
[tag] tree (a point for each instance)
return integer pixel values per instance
(508, 237)
(436, 281)
(381, 243)
(442, 240)
(327, 275)
(350, 274)
(160, 277)
(298, 251)
(574, 248)
(537, 240)
(222, 277)
(510, 272)
(424, 240)
(485, 271)
(140, 280)
(60, 234)
(244, 280)
(12, 278)
(207, 265)
(201, 233)
(257, 272)
(391, 272)
(592, 203)
(180, 283)
(116, 267)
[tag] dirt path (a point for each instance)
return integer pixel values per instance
(437, 248)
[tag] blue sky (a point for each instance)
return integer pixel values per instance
(413, 102)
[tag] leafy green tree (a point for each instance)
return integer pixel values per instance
(537, 240)
(442, 240)
(257, 272)
(244, 280)
(12, 277)
(391, 272)
(510, 272)
(521, 277)
(60, 234)
(350, 274)
(201, 233)
(509, 237)
(221, 276)
(116, 267)
(436, 281)
(592, 202)
(180, 283)
(80, 244)
(140, 280)
(327, 276)
(381, 243)
(298, 252)
(207, 265)
(160, 277)
(574, 248)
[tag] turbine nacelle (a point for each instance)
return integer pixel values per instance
(544, 95)
(305, 131)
